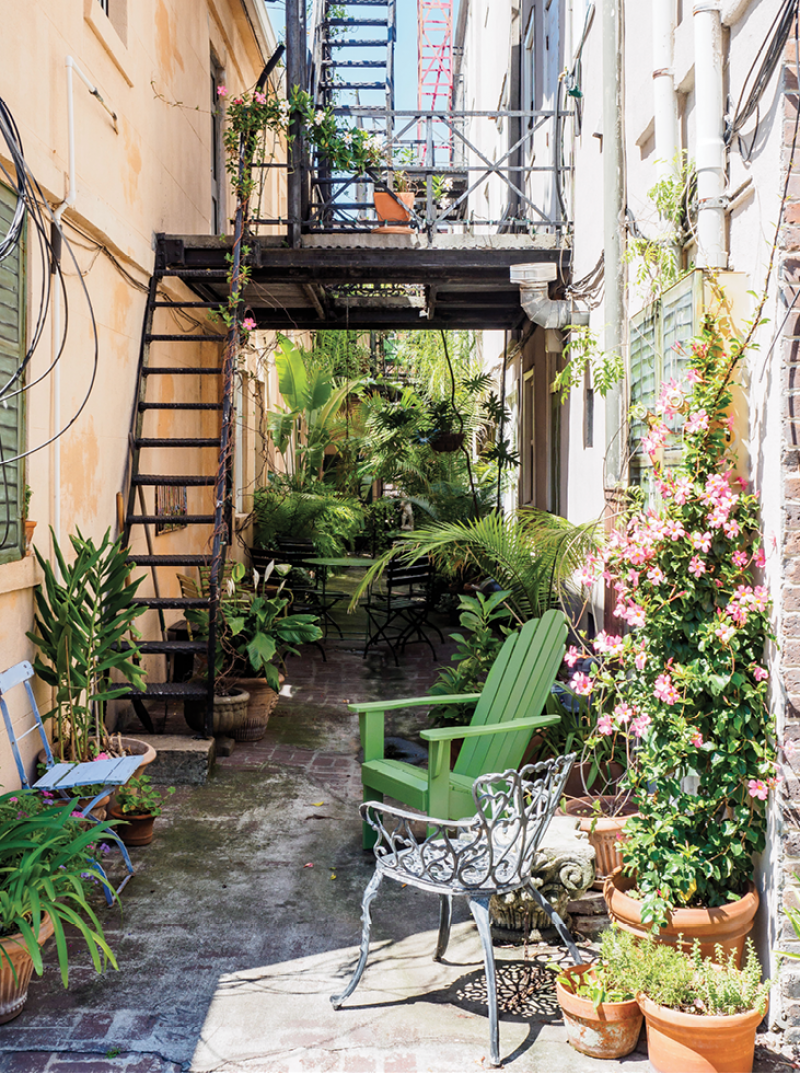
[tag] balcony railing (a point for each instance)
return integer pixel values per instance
(457, 163)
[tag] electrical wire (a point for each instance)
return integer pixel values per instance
(755, 85)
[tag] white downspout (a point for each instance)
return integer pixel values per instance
(665, 105)
(710, 149)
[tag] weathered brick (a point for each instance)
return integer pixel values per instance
(790, 238)
(791, 623)
(792, 711)
(790, 599)
(791, 846)
(790, 986)
(791, 513)
(791, 544)
(791, 215)
(791, 490)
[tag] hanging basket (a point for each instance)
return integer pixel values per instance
(445, 442)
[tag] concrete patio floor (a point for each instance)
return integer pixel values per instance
(243, 918)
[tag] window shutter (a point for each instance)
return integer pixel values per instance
(11, 351)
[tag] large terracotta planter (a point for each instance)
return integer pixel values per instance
(14, 993)
(262, 703)
(727, 925)
(386, 208)
(606, 1032)
(230, 714)
(605, 833)
(137, 829)
(679, 1043)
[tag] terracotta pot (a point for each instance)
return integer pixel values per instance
(386, 208)
(606, 1032)
(137, 829)
(727, 925)
(14, 993)
(29, 528)
(262, 704)
(695, 1043)
(230, 714)
(605, 833)
(610, 775)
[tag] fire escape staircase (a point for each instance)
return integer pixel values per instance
(213, 466)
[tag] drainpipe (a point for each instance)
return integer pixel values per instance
(710, 148)
(665, 106)
(613, 225)
(535, 298)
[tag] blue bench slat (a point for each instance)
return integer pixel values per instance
(112, 772)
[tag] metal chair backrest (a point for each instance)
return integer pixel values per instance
(517, 686)
(21, 675)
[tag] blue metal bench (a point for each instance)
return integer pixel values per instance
(63, 776)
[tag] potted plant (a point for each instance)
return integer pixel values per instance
(30, 526)
(393, 209)
(701, 1014)
(254, 634)
(86, 631)
(446, 427)
(688, 681)
(46, 867)
(599, 1004)
(137, 804)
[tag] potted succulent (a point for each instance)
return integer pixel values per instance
(137, 804)
(688, 681)
(701, 1014)
(256, 633)
(601, 1013)
(85, 631)
(46, 867)
(393, 209)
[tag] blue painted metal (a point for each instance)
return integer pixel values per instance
(61, 777)
(489, 854)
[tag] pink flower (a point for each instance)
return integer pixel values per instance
(696, 739)
(674, 529)
(656, 575)
(590, 571)
(701, 541)
(740, 559)
(635, 615)
(683, 490)
(760, 558)
(571, 656)
(238, 100)
(760, 598)
(697, 567)
(640, 660)
(222, 91)
(581, 684)
(623, 712)
(757, 788)
(665, 690)
(693, 376)
(605, 725)
(760, 674)
(732, 528)
(725, 631)
(640, 724)
(260, 98)
(698, 422)
(102, 757)
(608, 643)
(248, 324)
(15, 800)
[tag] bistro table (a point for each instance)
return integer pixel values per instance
(335, 563)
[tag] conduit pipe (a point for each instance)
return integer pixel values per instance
(665, 105)
(58, 213)
(535, 298)
(710, 148)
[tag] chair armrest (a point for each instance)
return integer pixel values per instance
(439, 734)
(411, 702)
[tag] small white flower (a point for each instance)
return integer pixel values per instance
(255, 578)
(319, 116)
(231, 587)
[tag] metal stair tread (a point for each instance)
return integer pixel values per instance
(173, 479)
(143, 405)
(177, 441)
(180, 370)
(172, 602)
(184, 520)
(155, 690)
(167, 560)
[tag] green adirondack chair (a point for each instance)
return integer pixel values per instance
(509, 709)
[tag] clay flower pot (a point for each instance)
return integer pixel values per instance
(262, 703)
(386, 208)
(605, 833)
(606, 1032)
(230, 714)
(29, 528)
(728, 925)
(14, 993)
(679, 1043)
(137, 829)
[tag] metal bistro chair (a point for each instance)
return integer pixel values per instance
(400, 613)
(61, 777)
(488, 854)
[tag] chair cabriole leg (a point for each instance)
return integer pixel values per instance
(445, 920)
(480, 912)
(369, 894)
(560, 927)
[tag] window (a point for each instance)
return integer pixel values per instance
(657, 335)
(217, 166)
(12, 336)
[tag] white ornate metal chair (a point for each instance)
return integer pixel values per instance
(488, 854)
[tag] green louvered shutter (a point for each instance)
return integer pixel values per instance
(11, 410)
